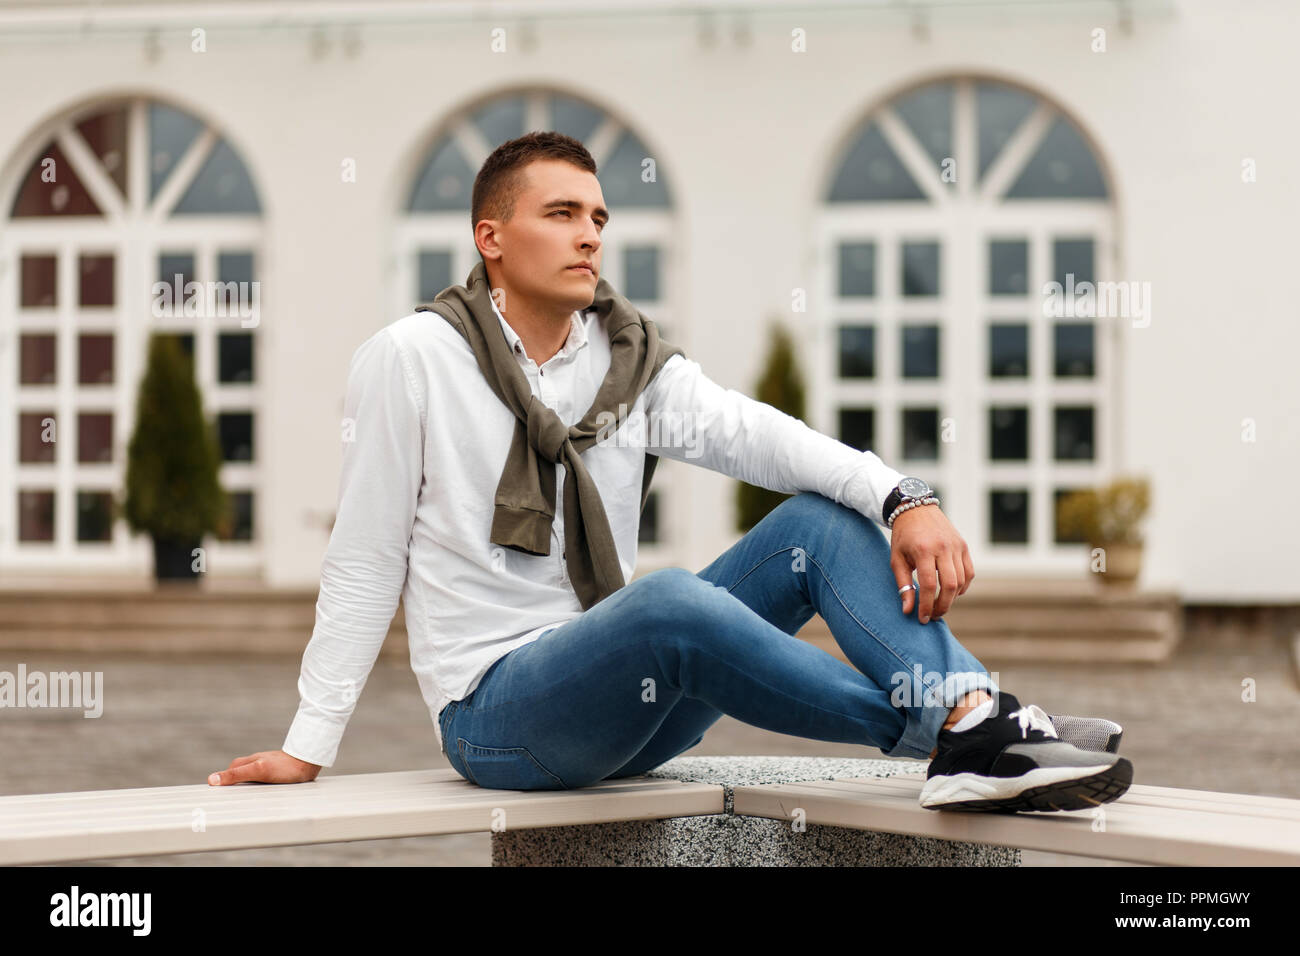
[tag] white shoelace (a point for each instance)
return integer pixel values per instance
(1035, 717)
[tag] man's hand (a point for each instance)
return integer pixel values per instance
(269, 766)
(923, 538)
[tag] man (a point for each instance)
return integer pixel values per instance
(541, 667)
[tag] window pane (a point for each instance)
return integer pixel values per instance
(36, 434)
(435, 273)
(648, 533)
(222, 186)
(1008, 433)
(871, 172)
(39, 279)
(239, 526)
(501, 119)
(65, 195)
(857, 351)
(36, 516)
(236, 432)
(1009, 516)
(36, 361)
(235, 357)
(574, 118)
(94, 437)
(446, 184)
(1072, 257)
(921, 433)
(1074, 349)
(920, 351)
(641, 273)
(928, 113)
(183, 339)
(920, 268)
(1008, 350)
(171, 132)
(857, 268)
(94, 516)
(171, 265)
(621, 175)
(106, 136)
(1074, 433)
(857, 428)
(235, 267)
(1008, 267)
(95, 359)
(96, 280)
(1063, 167)
(1078, 537)
(999, 112)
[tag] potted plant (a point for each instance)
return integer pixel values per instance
(1108, 519)
(173, 490)
(780, 386)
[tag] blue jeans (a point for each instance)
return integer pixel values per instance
(639, 677)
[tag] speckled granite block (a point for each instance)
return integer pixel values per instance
(728, 840)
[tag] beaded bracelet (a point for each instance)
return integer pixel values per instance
(930, 500)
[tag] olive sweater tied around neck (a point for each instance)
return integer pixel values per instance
(524, 505)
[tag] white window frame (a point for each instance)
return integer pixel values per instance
(134, 231)
(964, 217)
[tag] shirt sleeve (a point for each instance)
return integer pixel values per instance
(692, 418)
(365, 564)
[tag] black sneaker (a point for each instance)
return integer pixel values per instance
(1088, 733)
(1014, 760)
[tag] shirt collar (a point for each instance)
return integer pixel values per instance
(576, 340)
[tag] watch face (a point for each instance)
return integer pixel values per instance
(913, 488)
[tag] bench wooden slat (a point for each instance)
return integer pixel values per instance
(1137, 797)
(1219, 831)
(101, 824)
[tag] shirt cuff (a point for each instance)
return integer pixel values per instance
(312, 739)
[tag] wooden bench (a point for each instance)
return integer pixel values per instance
(1156, 825)
(866, 813)
(102, 824)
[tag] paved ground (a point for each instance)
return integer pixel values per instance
(172, 720)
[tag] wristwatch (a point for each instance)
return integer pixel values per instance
(909, 489)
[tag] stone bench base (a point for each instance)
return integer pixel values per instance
(728, 840)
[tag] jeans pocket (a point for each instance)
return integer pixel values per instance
(505, 768)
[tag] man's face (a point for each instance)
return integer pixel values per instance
(557, 224)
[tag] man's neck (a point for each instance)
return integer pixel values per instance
(542, 333)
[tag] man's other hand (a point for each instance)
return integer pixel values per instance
(925, 540)
(269, 766)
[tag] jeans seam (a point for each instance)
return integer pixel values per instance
(462, 744)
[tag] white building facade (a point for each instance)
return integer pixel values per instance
(901, 189)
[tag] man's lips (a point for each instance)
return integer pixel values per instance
(581, 269)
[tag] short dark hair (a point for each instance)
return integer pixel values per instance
(501, 178)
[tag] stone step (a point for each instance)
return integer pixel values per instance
(998, 620)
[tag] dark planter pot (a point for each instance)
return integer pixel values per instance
(173, 559)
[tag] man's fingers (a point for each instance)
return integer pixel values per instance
(249, 770)
(240, 761)
(950, 582)
(929, 580)
(902, 577)
(970, 568)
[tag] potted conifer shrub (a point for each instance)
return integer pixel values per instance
(1109, 519)
(173, 491)
(780, 386)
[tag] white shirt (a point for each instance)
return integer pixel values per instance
(420, 467)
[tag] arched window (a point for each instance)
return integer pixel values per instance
(948, 213)
(435, 240)
(120, 196)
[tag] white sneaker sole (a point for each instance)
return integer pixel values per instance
(962, 788)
